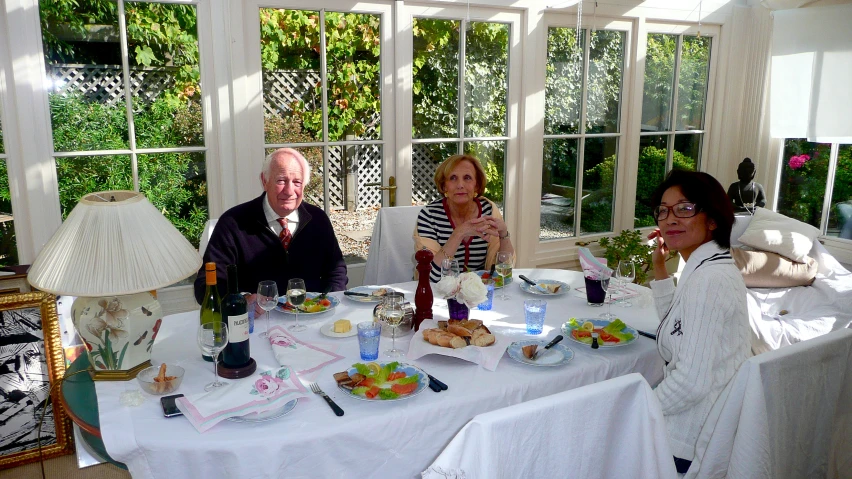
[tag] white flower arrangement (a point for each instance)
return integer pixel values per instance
(467, 288)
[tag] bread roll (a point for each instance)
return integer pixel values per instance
(458, 330)
(457, 342)
(483, 340)
(444, 339)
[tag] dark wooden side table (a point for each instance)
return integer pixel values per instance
(81, 403)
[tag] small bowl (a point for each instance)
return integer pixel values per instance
(147, 375)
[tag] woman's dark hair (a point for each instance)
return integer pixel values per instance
(706, 192)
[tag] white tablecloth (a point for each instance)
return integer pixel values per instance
(610, 429)
(372, 439)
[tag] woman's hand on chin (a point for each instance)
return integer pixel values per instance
(659, 255)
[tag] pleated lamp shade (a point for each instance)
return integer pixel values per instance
(113, 243)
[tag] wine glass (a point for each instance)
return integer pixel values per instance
(449, 267)
(212, 339)
(504, 269)
(267, 299)
(392, 314)
(606, 276)
(626, 273)
(296, 294)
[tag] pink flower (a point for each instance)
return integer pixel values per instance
(797, 162)
(268, 385)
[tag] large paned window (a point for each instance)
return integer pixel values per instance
(582, 130)
(673, 105)
(125, 104)
(8, 245)
(331, 115)
(460, 96)
(816, 185)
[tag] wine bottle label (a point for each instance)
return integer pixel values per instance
(238, 328)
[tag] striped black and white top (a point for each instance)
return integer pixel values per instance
(434, 222)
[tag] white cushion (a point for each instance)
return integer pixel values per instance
(771, 231)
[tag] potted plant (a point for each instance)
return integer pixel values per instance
(631, 245)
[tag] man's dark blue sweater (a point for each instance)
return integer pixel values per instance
(242, 237)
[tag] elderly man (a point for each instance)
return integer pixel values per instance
(276, 236)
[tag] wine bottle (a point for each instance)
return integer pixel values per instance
(234, 312)
(211, 306)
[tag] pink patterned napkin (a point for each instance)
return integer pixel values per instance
(302, 357)
(263, 391)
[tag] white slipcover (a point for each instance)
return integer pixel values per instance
(391, 256)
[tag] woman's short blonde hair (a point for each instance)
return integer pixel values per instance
(443, 171)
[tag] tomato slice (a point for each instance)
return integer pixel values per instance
(325, 302)
(581, 333)
(404, 388)
(608, 338)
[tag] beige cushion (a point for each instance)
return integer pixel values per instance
(762, 269)
(771, 231)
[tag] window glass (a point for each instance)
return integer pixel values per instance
(606, 62)
(353, 73)
(290, 66)
(659, 78)
(81, 175)
(486, 80)
(558, 183)
(425, 158)
(804, 174)
(599, 167)
(687, 152)
(435, 79)
(564, 81)
(652, 170)
(2, 148)
(8, 243)
(692, 82)
(840, 216)
(164, 74)
(88, 104)
(492, 155)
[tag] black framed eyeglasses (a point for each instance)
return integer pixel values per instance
(680, 210)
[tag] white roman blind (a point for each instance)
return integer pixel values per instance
(811, 78)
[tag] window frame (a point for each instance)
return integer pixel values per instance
(560, 20)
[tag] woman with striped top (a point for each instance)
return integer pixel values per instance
(704, 335)
(463, 225)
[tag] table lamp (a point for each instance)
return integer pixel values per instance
(113, 252)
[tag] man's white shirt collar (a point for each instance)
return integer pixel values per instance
(272, 218)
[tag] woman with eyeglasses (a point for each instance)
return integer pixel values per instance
(704, 334)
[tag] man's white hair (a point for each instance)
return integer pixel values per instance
(288, 152)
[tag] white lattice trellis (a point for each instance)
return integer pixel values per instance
(423, 166)
(104, 83)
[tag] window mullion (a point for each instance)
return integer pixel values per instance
(829, 187)
(673, 114)
(324, 80)
(462, 53)
(128, 94)
(581, 148)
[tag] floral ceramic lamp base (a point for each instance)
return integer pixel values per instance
(119, 333)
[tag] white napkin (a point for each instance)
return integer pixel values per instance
(487, 356)
(265, 390)
(303, 357)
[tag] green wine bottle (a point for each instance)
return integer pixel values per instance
(211, 307)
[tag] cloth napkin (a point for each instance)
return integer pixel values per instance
(592, 267)
(303, 357)
(269, 389)
(487, 356)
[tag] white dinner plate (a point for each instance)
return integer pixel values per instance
(568, 331)
(528, 288)
(557, 355)
(408, 369)
(267, 415)
(283, 300)
(366, 290)
(328, 330)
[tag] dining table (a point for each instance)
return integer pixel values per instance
(380, 439)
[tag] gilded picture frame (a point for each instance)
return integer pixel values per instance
(31, 361)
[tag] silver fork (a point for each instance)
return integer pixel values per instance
(334, 407)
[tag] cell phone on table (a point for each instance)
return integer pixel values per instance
(170, 409)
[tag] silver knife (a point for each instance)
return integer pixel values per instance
(529, 281)
(549, 345)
